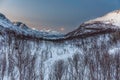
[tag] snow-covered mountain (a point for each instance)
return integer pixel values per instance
(91, 52)
(106, 22)
(110, 18)
(21, 25)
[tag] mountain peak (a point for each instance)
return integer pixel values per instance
(116, 11)
(21, 25)
(110, 18)
(2, 16)
(107, 23)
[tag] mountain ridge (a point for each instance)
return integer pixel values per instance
(86, 28)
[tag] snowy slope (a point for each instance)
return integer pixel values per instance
(110, 18)
(107, 23)
(90, 52)
(23, 30)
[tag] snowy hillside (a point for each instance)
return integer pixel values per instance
(110, 18)
(106, 22)
(91, 52)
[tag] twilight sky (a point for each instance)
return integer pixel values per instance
(60, 15)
